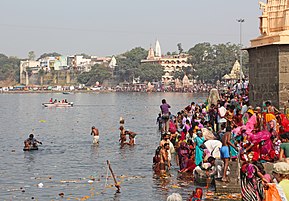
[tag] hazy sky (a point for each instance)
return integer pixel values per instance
(110, 27)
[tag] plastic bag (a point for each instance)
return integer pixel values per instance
(272, 193)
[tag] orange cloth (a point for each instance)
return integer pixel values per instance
(269, 117)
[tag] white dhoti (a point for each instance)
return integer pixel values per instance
(95, 139)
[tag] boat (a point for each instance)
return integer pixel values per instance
(66, 92)
(69, 104)
(30, 148)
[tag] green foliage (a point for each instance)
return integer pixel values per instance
(53, 54)
(212, 62)
(85, 56)
(31, 55)
(179, 74)
(98, 73)
(9, 68)
(149, 72)
(179, 45)
(128, 63)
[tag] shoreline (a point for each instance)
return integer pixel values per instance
(91, 91)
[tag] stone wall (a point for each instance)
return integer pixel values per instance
(269, 74)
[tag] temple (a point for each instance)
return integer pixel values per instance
(170, 63)
(269, 55)
(274, 23)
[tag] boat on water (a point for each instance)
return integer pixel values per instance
(58, 104)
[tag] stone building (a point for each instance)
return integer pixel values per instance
(269, 56)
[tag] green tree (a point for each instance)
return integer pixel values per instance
(41, 74)
(179, 74)
(31, 55)
(98, 73)
(179, 45)
(212, 62)
(149, 72)
(128, 63)
(9, 68)
(53, 54)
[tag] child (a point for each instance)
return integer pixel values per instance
(159, 121)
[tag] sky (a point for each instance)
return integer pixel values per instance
(112, 27)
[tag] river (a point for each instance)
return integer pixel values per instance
(67, 161)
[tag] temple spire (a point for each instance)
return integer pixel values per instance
(158, 49)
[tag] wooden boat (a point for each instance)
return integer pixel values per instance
(69, 104)
(30, 149)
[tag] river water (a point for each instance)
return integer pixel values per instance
(67, 160)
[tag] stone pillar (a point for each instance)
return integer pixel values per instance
(269, 74)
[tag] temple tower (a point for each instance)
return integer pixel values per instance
(158, 49)
(269, 55)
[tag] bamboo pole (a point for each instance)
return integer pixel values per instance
(113, 176)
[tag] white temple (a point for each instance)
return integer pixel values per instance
(112, 63)
(236, 72)
(158, 49)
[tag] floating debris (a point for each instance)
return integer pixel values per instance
(68, 181)
(40, 185)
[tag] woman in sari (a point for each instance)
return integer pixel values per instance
(199, 140)
(251, 183)
(183, 153)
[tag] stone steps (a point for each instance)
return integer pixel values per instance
(233, 186)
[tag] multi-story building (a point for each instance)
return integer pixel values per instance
(170, 63)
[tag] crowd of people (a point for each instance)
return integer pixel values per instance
(203, 139)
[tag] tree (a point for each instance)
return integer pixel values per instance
(9, 68)
(149, 72)
(98, 73)
(180, 48)
(212, 62)
(41, 73)
(179, 74)
(129, 62)
(53, 54)
(85, 56)
(31, 55)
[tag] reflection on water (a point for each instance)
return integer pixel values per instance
(69, 163)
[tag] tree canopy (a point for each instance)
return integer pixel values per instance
(98, 73)
(212, 62)
(129, 62)
(9, 68)
(149, 72)
(53, 54)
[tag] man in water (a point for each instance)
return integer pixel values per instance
(122, 136)
(31, 142)
(164, 161)
(165, 115)
(131, 136)
(95, 133)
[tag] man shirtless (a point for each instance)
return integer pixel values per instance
(225, 151)
(95, 133)
(131, 136)
(164, 159)
(122, 136)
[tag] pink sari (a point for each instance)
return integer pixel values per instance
(250, 125)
